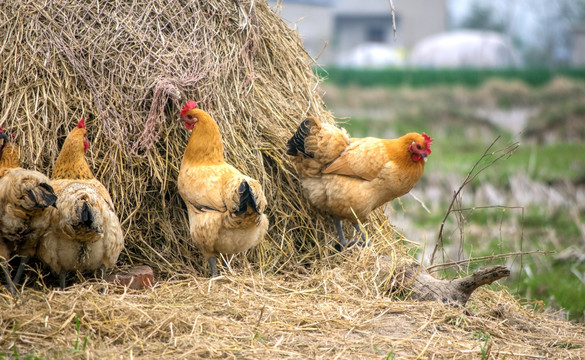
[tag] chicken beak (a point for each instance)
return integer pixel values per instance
(424, 156)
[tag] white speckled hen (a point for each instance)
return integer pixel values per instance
(85, 233)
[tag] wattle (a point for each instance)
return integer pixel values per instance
(416, 157)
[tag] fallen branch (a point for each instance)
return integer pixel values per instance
(423, 286)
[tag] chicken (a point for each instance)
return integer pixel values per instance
(24, 197)
(84, 233)
(226, 208)
(349, 178)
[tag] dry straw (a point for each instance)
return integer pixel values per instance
(127, 67)
(331, 313)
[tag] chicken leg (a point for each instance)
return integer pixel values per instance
(9, 284)
(359, 230)
(62, 279)
(212, 260)
(343, 242)
(102, 272)
(23, 261)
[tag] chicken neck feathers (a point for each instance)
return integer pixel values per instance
(9, 158)
(204, 146)
(71, 163)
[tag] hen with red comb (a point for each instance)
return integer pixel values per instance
(85, 221)
(225, 207)
(349, 178)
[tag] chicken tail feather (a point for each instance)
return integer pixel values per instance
(247, 199)
(41, 196)
(296, 143)
(85, 215)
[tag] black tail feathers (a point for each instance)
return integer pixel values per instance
(247, 199)
(296, 144)
(88, 217)
(43, 196)
(85, 216)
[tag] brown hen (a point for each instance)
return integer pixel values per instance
(225, 207)
(349, 178)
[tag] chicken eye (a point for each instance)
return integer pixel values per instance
(190, 117)
(418, 146)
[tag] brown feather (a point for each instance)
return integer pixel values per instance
(210, 189)
(10, 158)
(71, 163)
(349, 179)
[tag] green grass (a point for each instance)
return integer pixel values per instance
(551, 163)
(545, 163)
(558, 285)
(549, 280)
(396, 77)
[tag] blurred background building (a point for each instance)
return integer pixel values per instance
(471, 33)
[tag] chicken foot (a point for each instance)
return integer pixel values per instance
(23, 261)
(343, 242)
(9, 284)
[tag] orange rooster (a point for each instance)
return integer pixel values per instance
(226, 208)
(349, 178)
(24, 196)
(84, 233)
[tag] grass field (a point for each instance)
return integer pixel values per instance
(530, 199)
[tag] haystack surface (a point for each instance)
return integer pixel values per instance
(127, 67)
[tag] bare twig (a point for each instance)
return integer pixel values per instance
(485, 258)
(420, 202)
(424, 287)
(393, 19)
(473, 173)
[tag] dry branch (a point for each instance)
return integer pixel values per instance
(480, 165)
(422, 286)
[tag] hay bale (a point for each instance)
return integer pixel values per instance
(127, 67)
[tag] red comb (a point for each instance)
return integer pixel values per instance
(428, 142)
(81, 123)
(190, 105)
